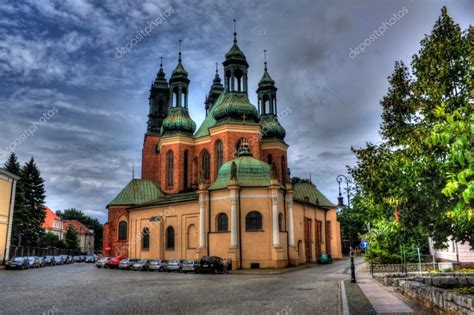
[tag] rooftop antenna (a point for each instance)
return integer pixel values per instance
(133, 171)
(235, 31)
(179, 59)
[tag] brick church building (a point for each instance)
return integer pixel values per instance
(222, 189)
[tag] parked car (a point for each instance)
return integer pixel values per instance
(324, 259)
(18, 263)
(41, 262)
(174, 265)
(76, 259)
(49, 261)
(212, 264)
(83, 258)
(142, 265)
(90, 259)
(158, 264)
(190, 266)
(66, 259)
(70, 259)
(33, 262)
(59, 260)
(102, 262)
(127, 263)
(113, 262)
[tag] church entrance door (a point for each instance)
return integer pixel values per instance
(307, 240)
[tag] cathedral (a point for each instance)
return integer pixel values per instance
(223, 189)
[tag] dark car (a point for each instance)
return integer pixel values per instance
(33, 262)
(41, 261)
(76, 259)
(90, 259)
(49, 261)
(212, 264)
(142, 264)
(324, 259)
(66, 259)
(18, 263)
(127, 263)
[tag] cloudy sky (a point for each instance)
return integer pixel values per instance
(75, 100)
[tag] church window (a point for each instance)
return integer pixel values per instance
(169, 169)
(219, 154)
(205, 165)
(222, 222)
(122, 231)
(253, 221)
(270, 159)
(170, 238)
(145, 239)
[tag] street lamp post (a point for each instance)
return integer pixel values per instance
(340, 203)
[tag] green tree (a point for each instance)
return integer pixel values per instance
(405, 186)
(91, 223)
(50, 240)
(33, 187)
(71, 239)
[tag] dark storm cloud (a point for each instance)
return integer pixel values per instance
(63, 54)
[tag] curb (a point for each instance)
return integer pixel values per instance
(270, 272)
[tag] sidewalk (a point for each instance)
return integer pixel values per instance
(382, 300)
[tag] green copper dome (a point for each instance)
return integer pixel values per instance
(250, 173)
(266, 79)
(235, 53)
(271, 128)
(179, 71)
(234, 106)
(178, 120)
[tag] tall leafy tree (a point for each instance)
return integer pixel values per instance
(91, 223)
(403, 183)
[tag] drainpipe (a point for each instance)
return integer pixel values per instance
(240, 232)
(209, 224)
(286, 225)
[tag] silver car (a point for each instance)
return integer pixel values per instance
(142, 265)
(158, 264)
(174, 265)
(190, 265)
(127, 263)
(101, 262)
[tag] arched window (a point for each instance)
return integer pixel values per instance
(281, 223)
(145, 239)
(169, 169)
(270, 159)
(237, 147)
(253, 221)
(219, 154)
(170, 238)
(205, 165)
(185, 169)
(284, 170)
(222, 222)
(122, 231)
(192, 236)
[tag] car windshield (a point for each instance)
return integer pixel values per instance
(174, 261)
(18, 259)
(143, 261)
(154, 261)
(189, 262)
(124, 260)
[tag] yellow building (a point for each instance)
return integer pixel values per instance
(7, 203)
(224, 189)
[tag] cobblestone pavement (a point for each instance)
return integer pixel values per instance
(82, 288)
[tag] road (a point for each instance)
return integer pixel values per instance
(84, 289)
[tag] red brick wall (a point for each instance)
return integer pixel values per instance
(178, 163)
(151, 159)
(277, 155)
(110, 235)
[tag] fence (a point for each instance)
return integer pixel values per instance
(409, 267)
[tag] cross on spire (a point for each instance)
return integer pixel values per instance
(161, 62)
(265, 58)
(235, 31)
(179, 59)
(217, 68)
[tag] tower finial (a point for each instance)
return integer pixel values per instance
(235, 31)
(265, 58)
(217, 68)
(179, 59)
(161, 62)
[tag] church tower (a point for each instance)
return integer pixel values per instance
(176, 144)
(216, 90)
(158, 104)
(274, 148)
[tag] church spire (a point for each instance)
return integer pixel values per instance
(235, 68)
(235, 31)
(158, 101)
(179, 83)
(216, 90)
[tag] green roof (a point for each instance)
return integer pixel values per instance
(234, 106)
(250, 173)
(180, 197)
(178, 120)
(302, 190)
(209, 121)
(136, 192)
